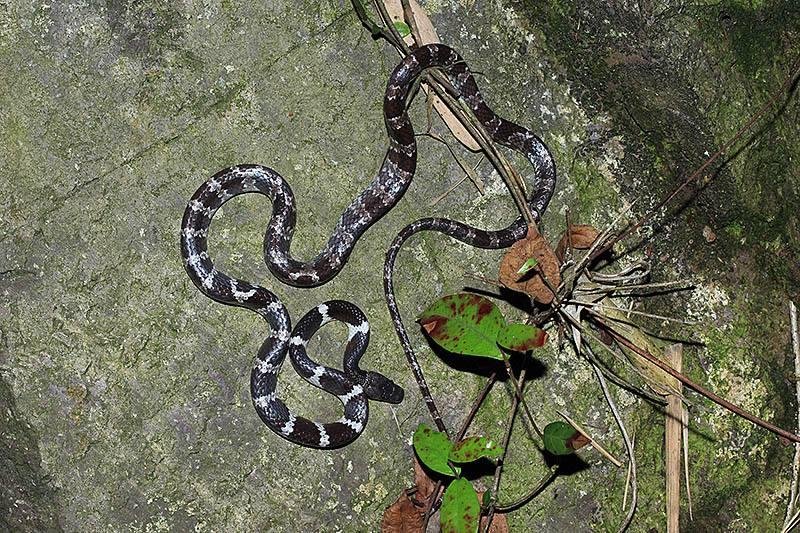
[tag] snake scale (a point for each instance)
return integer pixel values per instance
(351, 385)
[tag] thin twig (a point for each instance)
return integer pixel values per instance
(699, 388)
(618, 380)
(605, 453)
(518, 392)
(552, 473)
(483, 279)
(793, 523)
(790, 508)
(408, 15)
(584, 262)
(432, 501)
(592, 305)
(628, 475)
(434, 498)
(396, 40)
(649, 381)
(501, 460)
(469, 172)
(793, 73)
(657, 287)
(475, 128)
(628, 444)
(476, 405)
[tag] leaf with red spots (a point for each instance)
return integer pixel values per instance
(562, 439)
(521, 337)
(473, 448)
(465, 324)
(433, 448)
(460, 512)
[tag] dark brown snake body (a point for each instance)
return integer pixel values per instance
(352, 386)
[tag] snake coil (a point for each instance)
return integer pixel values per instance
(352, 386)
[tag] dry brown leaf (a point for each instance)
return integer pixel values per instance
(428, 35)
(582, 236)
(423, 482)
(499, 523)
(403, 517)
(532, 246)
(709, 234)
(407, 515)
(577, 441)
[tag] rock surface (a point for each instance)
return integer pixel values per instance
(124, 400)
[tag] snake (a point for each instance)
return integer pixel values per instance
(351, 385)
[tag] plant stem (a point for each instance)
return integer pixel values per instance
(551, 474)
(434, 498)
(698, 388)
(396, 40)
(506, 439)
(518, 392)
(628, 444)
(787, 84)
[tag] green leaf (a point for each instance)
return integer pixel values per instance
(402, 28)
(562, 439)
(473, 448)
(433, 448)
(527, 266)
(521, 337)
(460, 512)
(465, 324)
(487, 498)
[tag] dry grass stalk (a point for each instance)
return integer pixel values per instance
(673, 435)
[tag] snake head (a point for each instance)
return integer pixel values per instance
(380, 388)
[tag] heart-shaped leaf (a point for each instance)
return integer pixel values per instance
(521, 337)
(533, 246)
(433, 449)
(579, 236)
(473, 448)
(460, 512)
(465, 324)
(562, 439)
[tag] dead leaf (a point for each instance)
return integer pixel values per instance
(581, 236)
(709, 234)
(423, 482)
(532, 246)
(499, 523)
(577, 441)
(428, 35)
(407, 513)
(403, 517)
